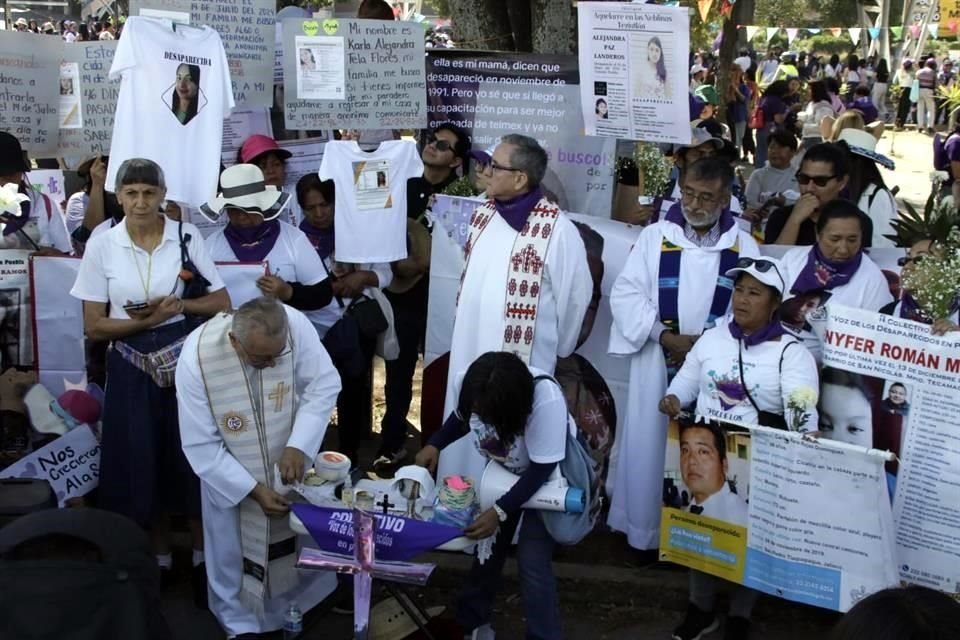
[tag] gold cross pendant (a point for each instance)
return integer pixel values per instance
(277, 395)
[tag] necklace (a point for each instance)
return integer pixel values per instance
(145, 282)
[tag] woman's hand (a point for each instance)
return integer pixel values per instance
(484, 526)
(670, 406)
(677, 346)
(165, 308)
(274, 287)
(98, 172)
(350, 285)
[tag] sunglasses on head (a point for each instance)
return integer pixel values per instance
(441, 145)
(761, 265)
(904, 261)
(820, 181)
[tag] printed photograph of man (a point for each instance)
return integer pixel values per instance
(896, 401)
(703, 467)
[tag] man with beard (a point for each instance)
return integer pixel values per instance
(672, 287)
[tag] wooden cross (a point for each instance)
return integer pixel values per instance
(385, 504)
(277, 395)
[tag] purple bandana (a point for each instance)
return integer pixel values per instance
(821, 273)
(675, 215)
(252, 244)
(910, 309)
(517, 210)
(770, 331)
(321, 239)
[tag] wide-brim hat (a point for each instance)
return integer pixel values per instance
(21, 22)
(389, 620)
(242, 186)
(864, 144)
(767, 270)
(259, 145)
(699, 136)
(12, 158)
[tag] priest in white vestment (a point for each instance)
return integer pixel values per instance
(673, 287)
(255, 391)
(525, 285)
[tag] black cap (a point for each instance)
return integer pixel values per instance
(12, 158)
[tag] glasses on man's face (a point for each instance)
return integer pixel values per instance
(820, 181)
(706, 199)
(439, 145)
(904, 261)
(494, 166)
(260, 362)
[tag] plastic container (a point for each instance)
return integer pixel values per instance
(332, 466)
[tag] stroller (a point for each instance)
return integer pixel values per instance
(83, 574)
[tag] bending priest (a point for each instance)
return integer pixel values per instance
(255, 391)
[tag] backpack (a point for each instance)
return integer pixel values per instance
(941, 161)
(580, 470)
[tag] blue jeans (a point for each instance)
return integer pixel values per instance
(541, 606)
(760, 157)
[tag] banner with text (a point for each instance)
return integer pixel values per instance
(29, 95)
(797, 519)
(71, 464)
(914, 414)
(633, 71)
(353, 74)
(493, 94)
(86, 125)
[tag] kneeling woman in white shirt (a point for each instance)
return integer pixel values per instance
(747, 371)
(131, 282)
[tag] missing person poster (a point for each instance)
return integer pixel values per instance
(902, 390)
(88, 98)
(29, 90)
(803, 520)
(16, 343)
(633, 71)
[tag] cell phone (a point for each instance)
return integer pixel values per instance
(135, 306)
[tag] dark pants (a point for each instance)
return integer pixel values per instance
(143, 472)
(353, 404)
(903, 107)
(410, 323)
(541, 606)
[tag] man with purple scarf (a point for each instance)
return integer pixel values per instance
(525, 285)
(673, 287)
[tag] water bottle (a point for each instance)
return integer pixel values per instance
(292, 622)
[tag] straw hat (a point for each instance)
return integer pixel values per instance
(243, 187)
(389, 620)
(864, 144)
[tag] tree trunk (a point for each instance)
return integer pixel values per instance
(728, 50)
(554, 26)
(481, 24)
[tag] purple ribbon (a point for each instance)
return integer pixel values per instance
(516, 210)
(822, 273)
(397, 538)
(770, 331)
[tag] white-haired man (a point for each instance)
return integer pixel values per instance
(255, 391)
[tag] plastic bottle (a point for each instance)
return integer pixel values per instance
(292, 622)
(347, 495)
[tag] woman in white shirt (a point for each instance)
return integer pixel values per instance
(132, 282)
(819, 107)
(748, 371)
(317, 199)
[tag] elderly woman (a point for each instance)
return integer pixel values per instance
(747, 371)
(836, 265)
(318, 200)
(132, 285)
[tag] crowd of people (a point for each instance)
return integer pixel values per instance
(212, 404)
(73, 31)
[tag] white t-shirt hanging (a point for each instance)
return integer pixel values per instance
(371, 220)
(173, 98)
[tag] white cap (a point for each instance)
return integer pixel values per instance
(697, 69)
(769, 271)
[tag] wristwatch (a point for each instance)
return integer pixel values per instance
(501, 514)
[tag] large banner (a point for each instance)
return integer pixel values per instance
(353, 74)
(633, 70)
(801, 520)
(493, 94)
(898, 385)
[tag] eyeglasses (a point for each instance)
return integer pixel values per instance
(260, 361)
(820, 181)
(493, 166)
(761, 265)
(441, 145)
(904, 261)
(706, 199)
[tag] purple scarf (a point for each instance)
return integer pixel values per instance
(675, 215)
(517, 210)
(910, 309)
(821, 273)
(770, 331)
(252, 244)
(321, 239)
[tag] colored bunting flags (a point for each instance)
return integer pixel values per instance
(791, 34)
(896, 31)
(855, 34)
(772, 31)
(874, 32)
(704, 6)
(813, 31)
(915, 31)
(836, 31)
(752, 32)
(933, 29)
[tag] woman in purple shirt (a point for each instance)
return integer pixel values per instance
(774, 113)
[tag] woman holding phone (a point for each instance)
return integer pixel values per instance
(131, 282)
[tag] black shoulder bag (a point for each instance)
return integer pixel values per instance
(764, 418)
(195, 285)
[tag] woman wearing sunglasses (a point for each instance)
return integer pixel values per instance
(836, 264)
(746, 371)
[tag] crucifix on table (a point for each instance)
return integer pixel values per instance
(385, 504)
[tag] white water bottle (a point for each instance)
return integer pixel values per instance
(292, 622)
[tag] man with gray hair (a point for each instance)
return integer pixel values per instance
(672, 287)
(525, 285)
(255, 391)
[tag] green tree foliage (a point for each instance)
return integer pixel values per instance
(780, 13)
